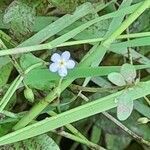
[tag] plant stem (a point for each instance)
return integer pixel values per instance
(70, 43)
(75, 131)
(70, 127)
(68, 35)
(12, 58)
(9, 114)
(135, 136)
(15, 85)
(147, 100)
(87, 60)
(92, 108)
(94, 90)
(127, 130)
(75, 138)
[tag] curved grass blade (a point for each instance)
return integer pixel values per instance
(81, 112)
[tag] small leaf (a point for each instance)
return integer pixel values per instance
(28, 60)
(117, 79)
(128, 71)
(20, 17)
(125, 106)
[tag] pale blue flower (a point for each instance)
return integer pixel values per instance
(60, 63)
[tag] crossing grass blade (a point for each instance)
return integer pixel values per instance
(73, 115)
(89, 58)
(64, 37)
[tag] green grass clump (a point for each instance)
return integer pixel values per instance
(110, 82)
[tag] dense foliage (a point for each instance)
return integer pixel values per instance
(74, 74)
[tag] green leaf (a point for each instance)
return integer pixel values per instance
(20, 16)
(142, 23)
(35, 77)
(67, 6)
(42, 142)
(142, 108)
(28, 60)
(5, 73)
(117, 142)
(117, 79)
(96, 134)
(128, 71)
(125, 106)
(5, 128)
(72, 115)
(142, 130)
(58, 25)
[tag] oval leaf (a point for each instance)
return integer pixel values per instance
(117, 79)
(125, 106)
(128, 71)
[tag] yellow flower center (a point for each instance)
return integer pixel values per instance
(61, 63)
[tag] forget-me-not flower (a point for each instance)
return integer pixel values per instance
(60, 63)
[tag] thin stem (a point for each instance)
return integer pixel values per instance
(77, 139)
(10, 92)
(94, 40)
(16, 65)
(59, 87)
(15, 85)
(49, 46)
(12, 58)
(127, 130)
(94, 90)
(73, 130)
(129, 49)
(58, 94)
(147, 100)
(9, 114)
(70, 127)
(17, 81)
(135, 136)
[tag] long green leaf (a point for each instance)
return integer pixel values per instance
(66, 36)
(73, 115)
(37, 75)
(86, 62)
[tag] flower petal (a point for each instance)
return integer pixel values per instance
(62, 71)
(54, 67)
(65, 55)
(70, 64)
(55, 57)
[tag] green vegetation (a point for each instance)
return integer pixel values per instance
(102, 102)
